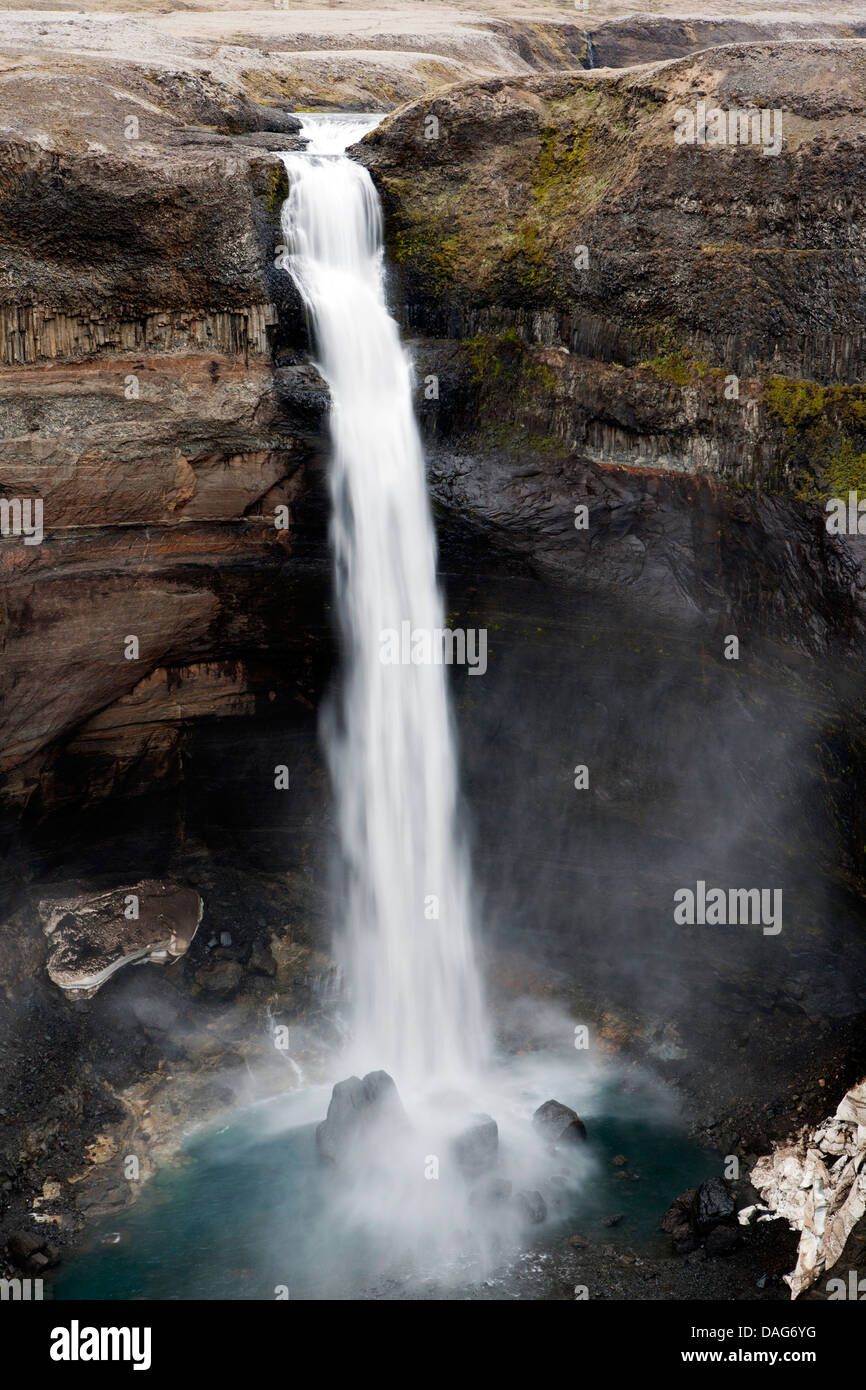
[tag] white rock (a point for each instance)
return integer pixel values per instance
(819, 1186)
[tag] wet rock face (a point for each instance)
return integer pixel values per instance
(818, 1184)
(713, 1203)
(91, 937)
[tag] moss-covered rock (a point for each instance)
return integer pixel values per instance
(563, 206)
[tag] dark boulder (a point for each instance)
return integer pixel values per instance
(362, 1118)
(532, 1207)
(714, 1203)
(32, 1252)
(247, 117)
(477, 1146)
(696, 1212)
(679, 1221)
(558, 1125)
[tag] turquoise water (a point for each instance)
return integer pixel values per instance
(247, 1212)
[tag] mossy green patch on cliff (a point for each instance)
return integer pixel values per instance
(423, 241)
(569, 177)
(278, 188)
(824, 430)
(518, 390)
(431, 252)
(530, 266)
(520, 439)
(678, 367)
(506, 360)
(845, 472)
(673, 361)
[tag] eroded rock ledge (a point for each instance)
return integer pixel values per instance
(91, 937)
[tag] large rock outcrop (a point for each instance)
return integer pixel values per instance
(91, 937)
(670, 334)
(818, 1185)
(138, 405)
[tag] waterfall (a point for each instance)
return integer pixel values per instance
(590, 51)
(406, 933)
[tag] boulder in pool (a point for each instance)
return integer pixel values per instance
(558, 1125)
(363, 1117)
(476, 1147)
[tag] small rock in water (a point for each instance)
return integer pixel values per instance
(618, 1160)
(531, 1206)
(558, 1125)
(478, 1145)
(578, 1241)
(613, 1220)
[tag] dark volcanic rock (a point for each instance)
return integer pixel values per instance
(679, 1221)
(714, 1203)
(722, 1240)
(610, 382)
(362, 1118)
(558, 1125)
(32, 1252)
(476, 1148)
(532, 1207)
(247, 118)
(696, 1213)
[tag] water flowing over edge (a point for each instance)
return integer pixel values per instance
(406, 940)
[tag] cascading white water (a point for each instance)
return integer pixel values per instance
(415, 992)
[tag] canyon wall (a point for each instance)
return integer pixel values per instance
(672, 334)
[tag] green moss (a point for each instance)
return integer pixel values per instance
(518, 391)
(674, 362)
(563, 158)
(278, 188)
(823, 436)
(520, 439)
(528, 262)
(570, 176)
(795, 403)
(430, 251)
(505, 360)
(845, 472)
